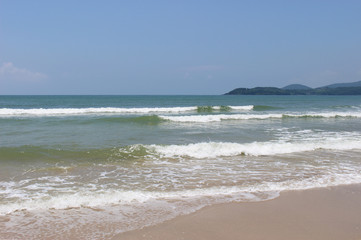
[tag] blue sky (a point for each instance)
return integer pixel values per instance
(175, 47)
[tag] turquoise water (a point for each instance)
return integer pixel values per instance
(77, 160)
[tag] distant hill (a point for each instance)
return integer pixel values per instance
(258, 91)
(296, 87)
(353, 88)
(337, 85)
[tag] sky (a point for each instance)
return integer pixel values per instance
(175, 47)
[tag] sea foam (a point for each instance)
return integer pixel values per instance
(111, 197)
(8, 112)
(227, 149)
(222, 117)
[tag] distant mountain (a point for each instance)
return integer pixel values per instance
(279, 91)
(353, 88)
(296, 87)
(258, 91)
(337, 85)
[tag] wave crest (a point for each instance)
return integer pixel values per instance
(222, 117)
(9, 112)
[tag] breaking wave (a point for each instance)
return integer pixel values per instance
(10, 112)
(224, 149)
(222, 117)
(199, 150)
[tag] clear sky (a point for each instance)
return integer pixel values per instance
(175, 47)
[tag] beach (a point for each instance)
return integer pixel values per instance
(192, 167)
(316, 214)
(170, 120)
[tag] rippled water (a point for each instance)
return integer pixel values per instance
(94, 166)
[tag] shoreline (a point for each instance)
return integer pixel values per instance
(315, 214)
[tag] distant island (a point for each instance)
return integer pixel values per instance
(353, 88)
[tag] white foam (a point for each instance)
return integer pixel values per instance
(82, 111)
(225, 149)
(239, 108)
(249, 107)
(109, 197)
(102, 110)
(327, 114)
(221, 117)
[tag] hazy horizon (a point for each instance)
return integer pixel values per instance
(150, 94)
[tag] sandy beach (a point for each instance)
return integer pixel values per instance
(170, 120)
(180, 167)
(324, 213)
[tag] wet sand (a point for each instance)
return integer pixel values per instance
(327, 213)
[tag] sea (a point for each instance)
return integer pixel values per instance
(91, 167)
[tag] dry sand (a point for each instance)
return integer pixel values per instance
(332, 213)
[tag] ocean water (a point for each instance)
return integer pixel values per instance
(89, 167)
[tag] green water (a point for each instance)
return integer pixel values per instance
(150, 158)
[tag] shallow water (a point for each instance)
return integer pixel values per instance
(99, 165)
